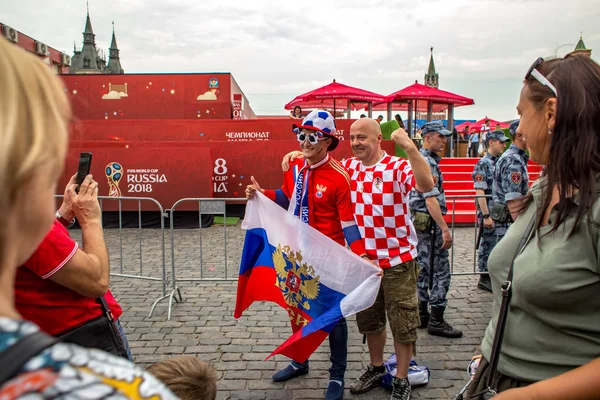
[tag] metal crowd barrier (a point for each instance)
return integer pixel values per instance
(475, 232)
(214, 206)
(140, 275)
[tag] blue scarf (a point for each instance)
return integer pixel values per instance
(301, 194)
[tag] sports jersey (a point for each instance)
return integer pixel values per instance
(67, 371)
(380, 198)
(327, 195)
(55, 308)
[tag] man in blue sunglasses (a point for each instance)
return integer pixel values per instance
(316, 189)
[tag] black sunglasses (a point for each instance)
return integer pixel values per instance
(538, 75)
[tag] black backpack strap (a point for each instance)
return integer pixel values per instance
(14, 358)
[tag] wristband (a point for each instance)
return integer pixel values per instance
(486, 216)
(62, 220)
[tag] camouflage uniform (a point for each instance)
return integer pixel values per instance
(511, 180)
(441, 271)
(483, 178)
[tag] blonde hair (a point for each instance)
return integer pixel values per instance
(187, 377)
(34, 113)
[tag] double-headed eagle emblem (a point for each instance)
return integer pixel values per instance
(296, 279)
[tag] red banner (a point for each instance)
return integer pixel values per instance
(150, 96)
(165, 174)
(169, 171)
(181, 130)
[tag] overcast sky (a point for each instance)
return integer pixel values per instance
(278, 49)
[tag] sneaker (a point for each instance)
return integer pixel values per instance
(368, 380)
(400, 389)
(335, 390)
(291, 371)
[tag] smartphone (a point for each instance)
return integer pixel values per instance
(85, 163)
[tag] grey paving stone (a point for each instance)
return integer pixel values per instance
(203, 324)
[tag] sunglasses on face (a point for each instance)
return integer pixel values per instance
(538, 75)
(313, 138)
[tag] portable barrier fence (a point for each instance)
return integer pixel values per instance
(145, 256)
(213, 261)
(214, 253)
(455, 203)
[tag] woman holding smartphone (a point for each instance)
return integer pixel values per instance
(34, 114)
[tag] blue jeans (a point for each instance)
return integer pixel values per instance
(338, 347)
(123, 338)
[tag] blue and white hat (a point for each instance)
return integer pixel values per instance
(321, 122)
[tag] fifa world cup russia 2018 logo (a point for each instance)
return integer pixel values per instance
(114, 173)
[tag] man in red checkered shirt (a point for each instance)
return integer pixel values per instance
(380, 186)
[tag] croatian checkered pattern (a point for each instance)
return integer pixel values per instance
(379, 194)
(320, 120)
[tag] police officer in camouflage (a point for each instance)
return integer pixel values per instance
(483, 179)
(511, 182)
(434, 235)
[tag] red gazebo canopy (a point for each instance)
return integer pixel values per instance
(476, 126)
(462, 126)
(324, 104)
(335, 92)
(418, 92)
(421, 107)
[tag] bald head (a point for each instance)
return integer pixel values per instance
(365, 139)
(367, 126)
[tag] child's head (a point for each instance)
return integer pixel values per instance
(187, 377)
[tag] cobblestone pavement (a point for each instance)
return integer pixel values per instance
(203, 324)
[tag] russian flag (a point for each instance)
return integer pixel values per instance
(313, 278)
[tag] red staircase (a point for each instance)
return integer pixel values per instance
(458, 182)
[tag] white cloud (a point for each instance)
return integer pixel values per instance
(207, 96)
(281, 49)
(112, 95)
